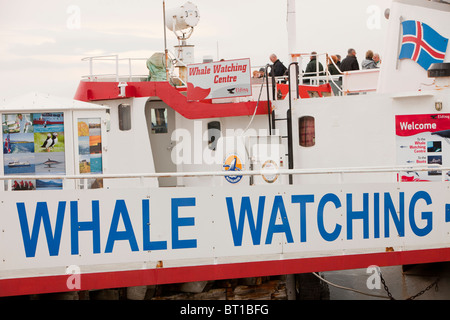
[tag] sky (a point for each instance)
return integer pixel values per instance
(42, 43)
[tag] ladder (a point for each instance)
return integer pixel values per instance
(288, 119)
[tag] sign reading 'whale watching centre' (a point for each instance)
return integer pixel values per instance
(222, 79)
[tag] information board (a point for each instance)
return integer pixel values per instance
(221, 79)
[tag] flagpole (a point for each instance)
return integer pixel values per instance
(400, 37)
(165, 41)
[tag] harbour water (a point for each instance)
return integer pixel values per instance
(401, 283)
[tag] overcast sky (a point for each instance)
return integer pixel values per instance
(43, 42)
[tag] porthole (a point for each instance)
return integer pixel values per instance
(307, 131)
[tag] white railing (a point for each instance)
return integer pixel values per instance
(114, 64)
(360, 81)
(314, 171)
(350, 82)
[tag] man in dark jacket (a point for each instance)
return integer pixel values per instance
(278, 68)
(311, 68)
(350, 62)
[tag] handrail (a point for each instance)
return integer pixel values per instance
(314, 77)
(180, 63)
(117, 76)
(343, 170)
(91, 66)
(100, 57)
(360, 80)
(327, 78)
(269, 113)
(344, 74)
(290, 172)
(332, 80)
(289, 116)
(326, 54)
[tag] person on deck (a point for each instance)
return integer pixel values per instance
(311, 67)
(350, 62)
(369, 63)
(338, 63)
(278, 68)
(331, 67)
(377, 59)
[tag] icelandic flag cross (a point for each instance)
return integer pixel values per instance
(422, 44)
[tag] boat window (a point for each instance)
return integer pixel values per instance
(213, 134)
(307, 131)
(159, 120)
(124, 117)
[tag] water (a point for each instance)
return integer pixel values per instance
(42, 184)
(401, 284)
(49, 128)
(25, 147)
(58, 168)
(96, 164)
(19, 170)
(54, 168)
(19, 143)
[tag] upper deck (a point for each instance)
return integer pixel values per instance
(124, 72)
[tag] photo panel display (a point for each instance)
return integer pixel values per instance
(34, 144)
(90, 146)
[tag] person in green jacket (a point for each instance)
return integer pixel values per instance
(311, 67)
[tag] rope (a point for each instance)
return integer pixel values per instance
(350, 289)
(257, 103)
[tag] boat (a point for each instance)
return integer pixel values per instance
(48, 119)
(46, 122)
(328, 174)
(18, 164)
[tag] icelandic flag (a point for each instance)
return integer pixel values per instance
(422, 44)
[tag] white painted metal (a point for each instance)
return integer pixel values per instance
(406, 75)
(360, 81)
(291, 29)
(353, 159)
(206, 235)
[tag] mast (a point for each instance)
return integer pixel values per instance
(166, 52)
(291, 30)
